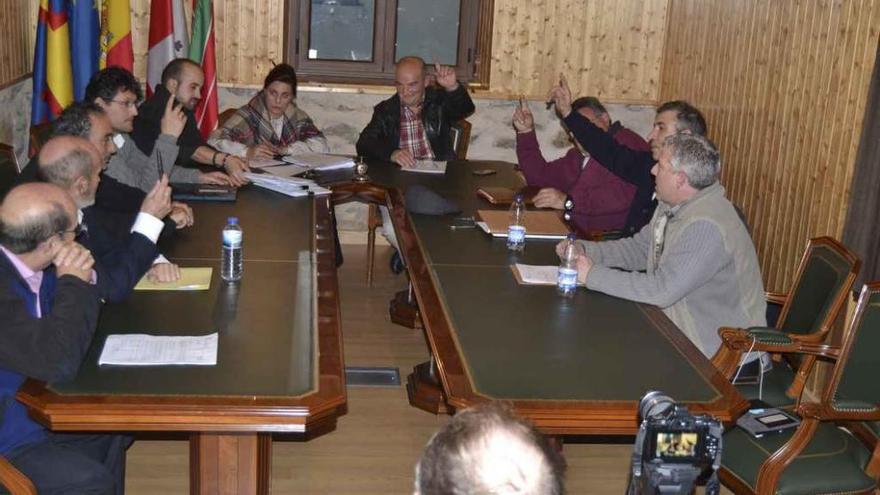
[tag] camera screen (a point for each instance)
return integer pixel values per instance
(677, 444)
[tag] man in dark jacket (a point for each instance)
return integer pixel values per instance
(49, 311)
(633, 166)
(414, 123)
(73, 164)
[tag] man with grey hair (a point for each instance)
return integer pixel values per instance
(74, 164)
(695, 259)
(488, 449)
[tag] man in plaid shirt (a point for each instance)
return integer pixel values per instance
(414, 123)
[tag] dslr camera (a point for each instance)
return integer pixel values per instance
(674, 449)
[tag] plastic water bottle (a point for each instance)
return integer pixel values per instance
(231, 267)
(566, 278)
(516, 230)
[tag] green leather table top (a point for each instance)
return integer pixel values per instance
(266, 323)
(526, 342)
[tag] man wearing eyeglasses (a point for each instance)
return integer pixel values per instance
(49, 309)
(117, 92)
(74, 164)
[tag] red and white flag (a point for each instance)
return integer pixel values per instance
(168, 38)
(201, 51)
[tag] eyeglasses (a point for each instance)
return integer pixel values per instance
(125, 103)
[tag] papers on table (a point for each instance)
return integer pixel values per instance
(427, 167)
(190, 279)
(285, 170)
(263, 162)
(535, 274)
(152, 350)
(291, 186)
(320, 161)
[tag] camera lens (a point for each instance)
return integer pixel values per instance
(655, 404)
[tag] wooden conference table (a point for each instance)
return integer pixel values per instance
(572, 366)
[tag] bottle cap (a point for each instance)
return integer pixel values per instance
(572, 236)
(518, 197)
(232, 220)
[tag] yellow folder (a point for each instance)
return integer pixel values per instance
(190, 279)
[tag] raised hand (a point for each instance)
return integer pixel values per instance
(523, 120)
(560, 95)
(174, 120)
(158, 200)
(445, 77)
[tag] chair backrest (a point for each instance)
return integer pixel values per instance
(853, 383)
(8, 168)
(461, 137)
(224, 116)
(38, 136)
(825, 275)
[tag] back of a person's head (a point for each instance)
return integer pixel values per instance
(489, 450)
(697, 157)
(107, 83)
(590, 102)
(76, 120)
(688, 117)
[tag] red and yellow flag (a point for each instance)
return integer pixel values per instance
(116, 34)
(53, 87)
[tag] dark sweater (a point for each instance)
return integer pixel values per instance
(148, 126)
(630, 165)
(49, 348)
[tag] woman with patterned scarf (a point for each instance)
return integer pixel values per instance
(270, 124)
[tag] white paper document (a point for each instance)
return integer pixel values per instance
(320, 161)
(291, 186)
(153, 350)
(263, 162)
(538, 274)
(427, 167)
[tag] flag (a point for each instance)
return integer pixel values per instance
(84, 29)
(116, 35)
(167, 40)
(53, 90)
(201, 50)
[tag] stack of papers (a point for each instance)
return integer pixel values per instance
(320, 161)
(190, 279)
(291, 186)
(151, 350)
(539, 224)
(427, 167)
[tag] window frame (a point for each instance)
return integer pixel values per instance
(474, 40)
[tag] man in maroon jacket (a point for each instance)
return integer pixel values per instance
(594, 198)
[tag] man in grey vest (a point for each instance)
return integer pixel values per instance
(695, 259)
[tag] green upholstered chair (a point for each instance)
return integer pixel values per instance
(823, 280)
(818, 456)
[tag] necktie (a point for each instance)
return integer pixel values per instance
(660, 234)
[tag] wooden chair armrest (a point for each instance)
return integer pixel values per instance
(844, 412)
(14, 481)
(779, 298)
(737, 341)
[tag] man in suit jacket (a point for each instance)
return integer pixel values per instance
(49, 309)
(74, 164)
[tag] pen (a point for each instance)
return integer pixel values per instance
(159, 164)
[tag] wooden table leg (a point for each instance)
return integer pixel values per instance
(230, 463)
(404, 310)
(425, 391)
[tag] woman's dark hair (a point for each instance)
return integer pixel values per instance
(283, 73)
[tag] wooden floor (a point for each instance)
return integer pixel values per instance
(375, 445)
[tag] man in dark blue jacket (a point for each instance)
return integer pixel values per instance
(49, 309)
(75, 165)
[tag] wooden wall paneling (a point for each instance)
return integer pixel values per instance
(15, 54)
(783, 84)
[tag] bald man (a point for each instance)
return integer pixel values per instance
(414, 124)
(49, 309)
(75, 165)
